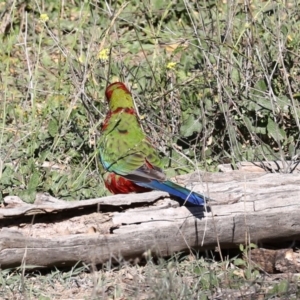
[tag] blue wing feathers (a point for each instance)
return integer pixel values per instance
(175, 190)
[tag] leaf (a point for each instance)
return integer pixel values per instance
(190, 125)
(235, 75)
(34, 181)
(198, 270)
(248, 123)
(261, 85)
(265, 103)
(275, 131)
(53, 127)
(260, 129)
(284, 103)
(6, 176)
(249, 154)
(239, 262)
(27, 195)
(252, 246)
(291, 149)
(284, 30)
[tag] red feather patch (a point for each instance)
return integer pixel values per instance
(119, 185)
(113, 86)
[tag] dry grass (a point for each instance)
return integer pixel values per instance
(182, 277)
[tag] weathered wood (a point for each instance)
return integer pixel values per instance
(256, 207)
(263, 166)
(45, 203)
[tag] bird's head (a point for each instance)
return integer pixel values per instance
(118, 96)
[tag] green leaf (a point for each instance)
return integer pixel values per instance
(252, 246)
(190, 125)
(53, 127)
(284, 30)
(6, 176)
(292, 151)
(198, 270)
(265, 103)
(261, 130)
(27, 195)
(248, 123)
(275, 131)
(235, 75)
(239, 262)
(283, 286)
(261, 85)
(284, 103)
(34, 181)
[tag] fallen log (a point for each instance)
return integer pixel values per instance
(246, 207)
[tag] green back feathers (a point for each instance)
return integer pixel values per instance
(124, 147)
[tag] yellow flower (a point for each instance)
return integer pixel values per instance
(103, 54)
(44, 17)
(81, 59)
(171, 65)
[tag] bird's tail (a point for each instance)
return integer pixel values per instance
(176, 190)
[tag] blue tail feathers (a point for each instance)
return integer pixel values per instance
(175, 190)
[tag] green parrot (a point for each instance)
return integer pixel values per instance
(131, 162)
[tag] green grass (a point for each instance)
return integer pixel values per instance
(213, 82)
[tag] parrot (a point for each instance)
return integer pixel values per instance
(131, 163)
